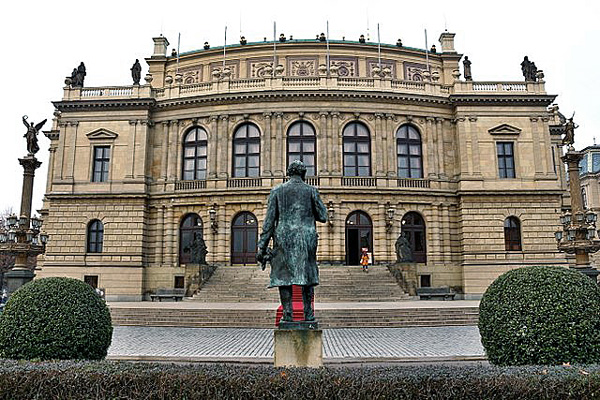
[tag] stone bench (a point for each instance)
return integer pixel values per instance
(435, 293)
(162, 293)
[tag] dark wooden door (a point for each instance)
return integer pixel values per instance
(359, 235)
(244, 236)
(414, 226)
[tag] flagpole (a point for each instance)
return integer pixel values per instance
(178, 43)
(225, 48)
(378, 47)
(328, 48)
(274, 46)
(426, 51)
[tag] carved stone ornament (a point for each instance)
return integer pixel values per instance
(302, 67)
(504, 129)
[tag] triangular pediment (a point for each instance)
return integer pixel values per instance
(504, 129)
(102, 134)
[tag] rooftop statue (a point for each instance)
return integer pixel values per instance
(292, 210)
(529, 70)
(467, 69)
(136, 72)
(78, 75)
(31, 135)
(570, 127)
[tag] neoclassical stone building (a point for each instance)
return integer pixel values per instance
(392, 137)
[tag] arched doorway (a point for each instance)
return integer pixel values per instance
(359, 234)
(190, 230)
(414, 226)
(244, 235)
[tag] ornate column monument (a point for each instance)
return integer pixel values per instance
(21, 236)
(578, 235)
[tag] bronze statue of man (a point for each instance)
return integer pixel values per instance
(292, 210)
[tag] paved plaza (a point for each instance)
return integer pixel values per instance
(448, 343)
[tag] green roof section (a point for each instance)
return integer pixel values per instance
(238, 45)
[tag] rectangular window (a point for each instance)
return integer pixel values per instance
(179, 282)
(506, 159)
(91, 280)
(100, 165)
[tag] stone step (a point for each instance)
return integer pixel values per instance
(328, 318)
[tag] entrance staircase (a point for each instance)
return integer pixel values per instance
(236, 296)
(339, 283)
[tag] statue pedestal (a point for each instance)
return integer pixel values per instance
(16, 278)
(298, 346)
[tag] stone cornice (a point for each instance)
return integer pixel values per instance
(126, 104)
(462, 99)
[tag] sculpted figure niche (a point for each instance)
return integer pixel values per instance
(292, 210)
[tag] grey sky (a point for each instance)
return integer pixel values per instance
(44, 41)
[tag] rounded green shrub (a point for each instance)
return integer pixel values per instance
(55, 318)
(541, 315)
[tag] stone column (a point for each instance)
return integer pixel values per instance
(266, 146)
(545, 132)
(436, 235)
(142, 156)
(538, 154)
(429, 142)
(72, 151)
(464, 148)
(392, 150)
(388, 141)
(213, 146)
(322, 144)
(51, 166)
(336, 145)
(60, 151)
(378, 149)
(445, 215)
(160, 229)
(225, 148)
(164, 159)
(439, 148)
(168, 237)
(279, 165)
(172, 158)
(132, 149)
(475, 150)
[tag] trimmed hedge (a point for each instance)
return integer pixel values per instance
(120, 380)
(55, 318)
(541, 315)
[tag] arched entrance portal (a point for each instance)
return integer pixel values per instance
(414, 226)
(244, 234)
(359, 234)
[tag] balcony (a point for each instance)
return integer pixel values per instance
(354, 84)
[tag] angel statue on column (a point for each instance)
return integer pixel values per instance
(31, 135)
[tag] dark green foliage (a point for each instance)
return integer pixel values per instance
(114, 380)
(541, 315)
(55, 318)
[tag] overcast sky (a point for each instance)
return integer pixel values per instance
(45, 40)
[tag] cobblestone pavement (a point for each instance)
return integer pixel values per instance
(256, 345)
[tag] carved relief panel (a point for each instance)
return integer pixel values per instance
(302, 66)
(414, 72)
(347, 66)
(374, 62)
(257, 67)
(234, 67)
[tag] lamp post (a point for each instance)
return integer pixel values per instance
(21, 235)
(578, 234)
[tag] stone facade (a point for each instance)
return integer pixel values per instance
(457, 191)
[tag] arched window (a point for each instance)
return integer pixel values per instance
(408, 150)
(414, 227)
(301, 145)
(359, 235)
(244, 236)
(246, 151)
(194, 154)
(95, 236)
(512, 234)
(357, 150)
(190, 232)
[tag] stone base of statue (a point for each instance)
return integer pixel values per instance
(16, 278)
(298, 344)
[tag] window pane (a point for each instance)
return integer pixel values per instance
(416, 173)
(361, 130)
(310, 170)
(415, 163)
(190, 137)
(188, 165)
(508, 148)
(402, 162)
(253, 171)
(362, 147)
(201, 174)
(253, 148)
(292, 158)
(253, 161)
(413, 134)
(509, 162)
(308, 146)
(239, 172)
(201, 135)
(240, 133)
(349, 171)
(294, 130)
(349, 161)
(238, 241)
(201, 150)
(251, 240)
(403, 173)
(201, 164)
(308, 160)
(253, 131)
(363, 161)
(240, 148)
(188, 175)
(294, 147)
(240, 162)
(401, 133)
(500, 149)
(349, 147)
(189, 152)
(402, 149)
(363, 171)
(415, 149)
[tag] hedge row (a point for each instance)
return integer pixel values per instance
(121, 380)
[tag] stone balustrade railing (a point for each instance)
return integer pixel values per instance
(304, 83)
